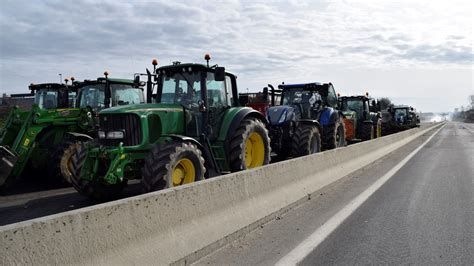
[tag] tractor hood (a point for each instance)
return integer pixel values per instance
(278, 115)
(143, 108)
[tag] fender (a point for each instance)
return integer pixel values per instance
(80, 136)
(312, 122)
(328, 116)
(237, 119)
(183, 138)
(209, 161)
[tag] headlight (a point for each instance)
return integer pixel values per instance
(101, 134)
(282, 117)
(115, 135)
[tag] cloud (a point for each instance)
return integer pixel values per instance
(258, 40)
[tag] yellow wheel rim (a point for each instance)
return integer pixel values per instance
(183, 173)
(254, 151)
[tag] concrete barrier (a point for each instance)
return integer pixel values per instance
(189, 221)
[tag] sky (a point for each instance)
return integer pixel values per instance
(418, 53)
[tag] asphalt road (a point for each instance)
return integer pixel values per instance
(424, 214)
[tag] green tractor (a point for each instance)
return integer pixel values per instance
(362, 118)
(28, 137)
(93, 96)
(194, 129)
(61, 116)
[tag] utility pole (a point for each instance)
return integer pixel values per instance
(60, 78)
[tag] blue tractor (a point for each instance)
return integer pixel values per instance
(306, 120)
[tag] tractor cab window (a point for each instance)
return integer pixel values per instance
(400, 113)
(123, 94)
(72, 95)
(332, 98)
(92, 96)
(216, 91)
(353, 105)
(182, 88)
(46, 99)
(295, 96)
(228, 86)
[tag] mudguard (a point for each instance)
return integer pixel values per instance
(80, 136)
(312, 122)
(328, 116)
(241, 115)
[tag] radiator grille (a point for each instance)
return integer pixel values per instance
(128, 123)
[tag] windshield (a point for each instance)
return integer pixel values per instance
(353, 105)
(46, 99)
(400, 112)
(296, 96)
(181, 88)
(122, 94)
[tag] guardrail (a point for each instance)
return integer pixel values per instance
(181, 224)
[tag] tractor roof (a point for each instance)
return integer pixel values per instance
(362, 97)
(102, 80)
(49, 86)
(300, 85)
(186, 66)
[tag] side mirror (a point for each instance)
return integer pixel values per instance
(136, 80)
(219, 74)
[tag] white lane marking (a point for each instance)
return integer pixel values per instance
(317, 237)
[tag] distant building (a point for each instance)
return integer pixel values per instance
(24, 102)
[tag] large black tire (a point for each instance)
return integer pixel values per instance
(249, 146)
(367, 131)
(168, 159)
(53, 169)
(66, 160)
(93, 189)
(306, 140)
(334, 135)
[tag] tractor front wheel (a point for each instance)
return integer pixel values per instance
(306, 140)
(93, 189)
(249, 147)
(53, 169)
(66, 160)
(172, 164)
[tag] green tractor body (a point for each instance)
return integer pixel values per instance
(27, 135)
(362, 118)
(194, 129)
(61, 115)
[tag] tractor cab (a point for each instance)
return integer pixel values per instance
(405, 115)
(304, 100)
(204, 93)
(361, 117)
(359, 105)
(106, 92)
(53, 95)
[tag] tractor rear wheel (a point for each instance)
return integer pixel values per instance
(172, 164)
(367, 131)
(334, 135)
(249, 147)
(306, 140)
(93, 189)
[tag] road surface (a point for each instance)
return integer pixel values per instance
(423, 214)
